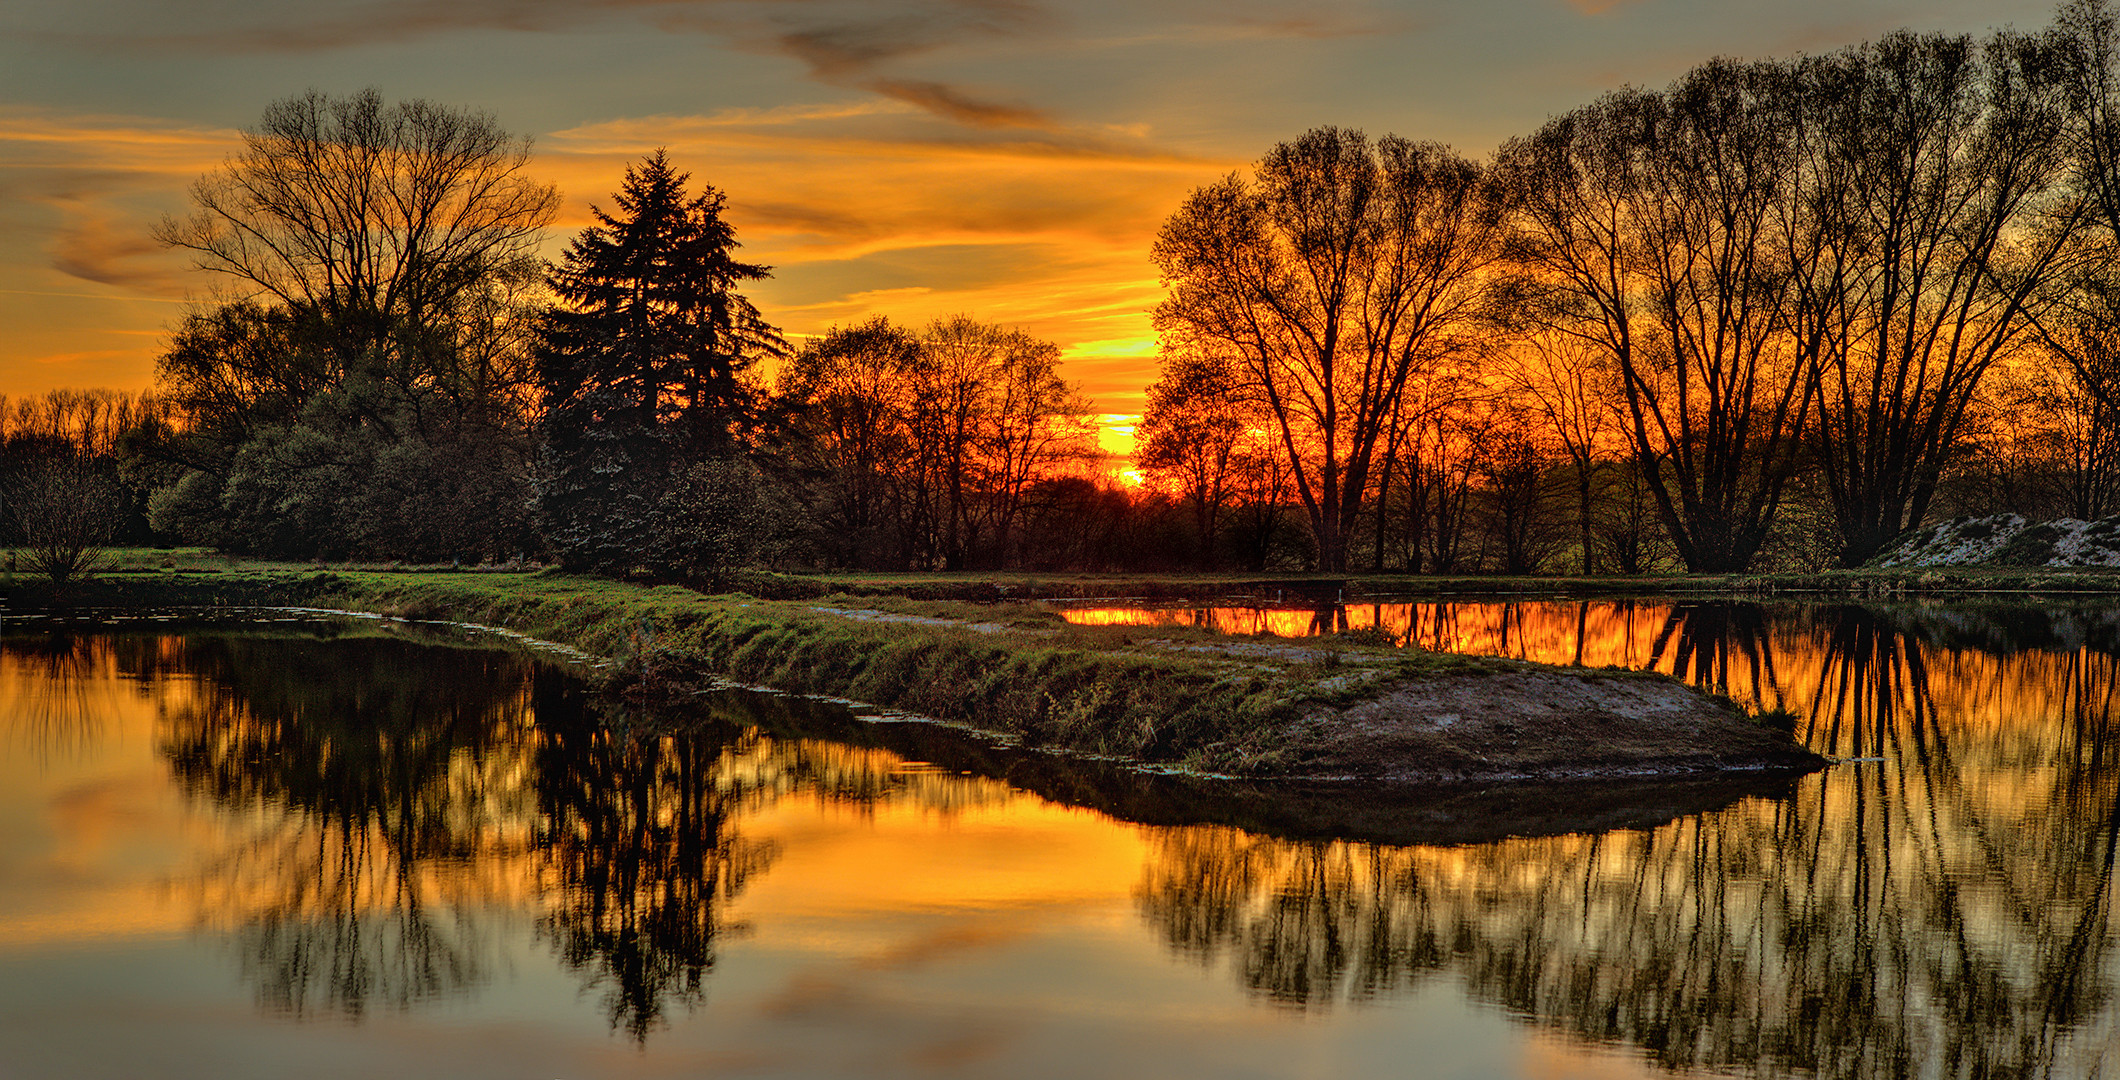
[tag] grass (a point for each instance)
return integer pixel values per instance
(1166, 694)
(956, 592)
(1011, 668)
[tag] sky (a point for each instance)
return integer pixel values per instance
(1006, 159)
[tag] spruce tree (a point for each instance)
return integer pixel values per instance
(642, 366)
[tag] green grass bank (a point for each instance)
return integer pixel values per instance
(1014, 669)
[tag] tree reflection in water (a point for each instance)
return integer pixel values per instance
(47, 690)
(377, 816)
(1944, 912)
(401, 811)
(399, 804)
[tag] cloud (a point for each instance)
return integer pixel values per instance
(947, 102)
(863, 206)
(866, 45)
(100, 245)
(886, 215)
(843, 43)
(1598, 7)
(85, 190)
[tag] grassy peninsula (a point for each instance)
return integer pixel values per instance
(1337, 705)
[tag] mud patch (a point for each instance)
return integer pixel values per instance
(1538, 724)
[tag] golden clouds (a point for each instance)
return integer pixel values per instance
(874, 208)
(83, 290)
(863, 206)
(88, 187)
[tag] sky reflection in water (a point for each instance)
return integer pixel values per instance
(248, 852)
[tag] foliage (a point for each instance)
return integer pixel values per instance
(372, 394)
(929, 449)
(96, 431)
(419, 464)
(642, 367)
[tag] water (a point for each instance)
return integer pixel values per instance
(348, 849)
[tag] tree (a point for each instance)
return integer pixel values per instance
(846, 396)
(369, 391)
(1646, 224)
(1512, 466)
(1034, 420)
(929, 443)
(285, 448)
(80, 443)
(376, 216)
(65, 509)
(2082, 326)
(1932, 221)
(1335, 273)
(1566, 382)
(643, 368)
(1196, 423)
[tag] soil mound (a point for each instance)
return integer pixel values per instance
(1535, 723)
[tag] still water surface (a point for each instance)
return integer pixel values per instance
(348, 850)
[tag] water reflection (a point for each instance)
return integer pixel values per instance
(393, 808)
(392, 816)
(372, 818)
(53, 702)
(1942, 909)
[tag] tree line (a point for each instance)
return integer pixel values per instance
(1771, 315)
(1783, 304)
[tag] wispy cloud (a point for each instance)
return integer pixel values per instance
(863, 207)
(846, 43)
(874, 46)
(898, 216)
(85, 190)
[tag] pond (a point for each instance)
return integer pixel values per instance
(354, 848)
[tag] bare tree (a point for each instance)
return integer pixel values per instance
(1933, 217)
(66, 510)
(1647, 226)
(938, 437)
(1190, 436)
(1570, 387)
(847, 395)
(377, 215)
(1334, 274)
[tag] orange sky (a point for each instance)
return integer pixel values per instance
(1009, 159)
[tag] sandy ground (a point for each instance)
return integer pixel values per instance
(1539, 723)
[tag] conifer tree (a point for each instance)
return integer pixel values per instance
(643, 367)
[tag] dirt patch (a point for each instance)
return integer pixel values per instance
(1538, 724)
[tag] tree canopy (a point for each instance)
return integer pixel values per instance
(643, 368)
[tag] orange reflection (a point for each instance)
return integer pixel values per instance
(369, 844)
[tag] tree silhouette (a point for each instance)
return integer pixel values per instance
(643, 367)
(377, 216)
(1336, 273)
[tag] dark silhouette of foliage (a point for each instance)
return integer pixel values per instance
(926, 447)
(371, 393)
(642, 367)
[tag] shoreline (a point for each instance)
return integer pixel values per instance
(145, 567)
(1317, 710)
